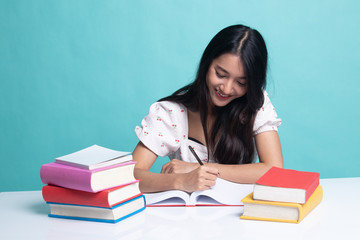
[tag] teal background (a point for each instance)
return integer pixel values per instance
(77, 73)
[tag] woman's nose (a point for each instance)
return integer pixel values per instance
(227, 87)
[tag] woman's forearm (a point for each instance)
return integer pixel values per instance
(243, 173)
(201, 178)
(151, 182)
(156, 182)
(269, 151)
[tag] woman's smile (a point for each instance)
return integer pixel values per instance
(221, 95)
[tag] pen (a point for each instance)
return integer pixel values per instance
(196, 156)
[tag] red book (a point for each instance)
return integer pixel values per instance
(95, 180)
(286, 185)
(107, 198)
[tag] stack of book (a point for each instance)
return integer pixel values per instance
(94, 184)
(283, 195)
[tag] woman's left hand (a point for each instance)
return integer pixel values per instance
(178, 166)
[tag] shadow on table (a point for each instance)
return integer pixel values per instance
(40, 208)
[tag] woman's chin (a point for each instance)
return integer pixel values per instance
(220, 103)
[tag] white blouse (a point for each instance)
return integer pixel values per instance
(165, 130)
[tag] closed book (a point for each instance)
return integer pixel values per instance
(280, 211)
(94, 157)
(98, 214)
(87, 180)
(286, 185)
(107, 198)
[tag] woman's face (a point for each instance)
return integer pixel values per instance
(226, 79)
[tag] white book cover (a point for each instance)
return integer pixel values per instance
(94, 157)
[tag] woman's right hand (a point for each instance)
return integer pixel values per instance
(201, 178)
(178, 166)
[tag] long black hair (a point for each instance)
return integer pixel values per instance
(230, 140)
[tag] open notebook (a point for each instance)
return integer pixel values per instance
(223, 193)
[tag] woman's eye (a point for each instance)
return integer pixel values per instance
(219, 75)
(241, 83)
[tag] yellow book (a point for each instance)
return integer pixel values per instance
(280, 211)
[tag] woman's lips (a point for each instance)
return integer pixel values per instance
(221, 95)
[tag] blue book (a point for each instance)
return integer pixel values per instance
(98, 214)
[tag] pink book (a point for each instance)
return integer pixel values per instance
(87, 180)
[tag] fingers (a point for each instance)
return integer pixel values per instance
(203, 184)
(169, 166)
(207, 177)
(195, 177)
(202, 178)
(166, 168)
(211, 170)
(178, 166)
(207, 184)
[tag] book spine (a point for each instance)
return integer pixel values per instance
(97, 219)
(312, 202)
(75, 197)
(268, 219)
(70, 196)
(312, 188)
(68, 177)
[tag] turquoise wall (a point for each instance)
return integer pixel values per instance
(77, 73)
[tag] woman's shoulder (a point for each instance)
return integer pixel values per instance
(266, 96)
(163, 128)
(168, 107)
(266, 117)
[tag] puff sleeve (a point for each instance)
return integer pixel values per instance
(266, 118)
(163, 129)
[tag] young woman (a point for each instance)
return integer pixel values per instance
(225, 115)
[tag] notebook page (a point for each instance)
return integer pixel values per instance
(224, 192)
(172, 197)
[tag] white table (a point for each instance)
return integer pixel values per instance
(23, 215)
